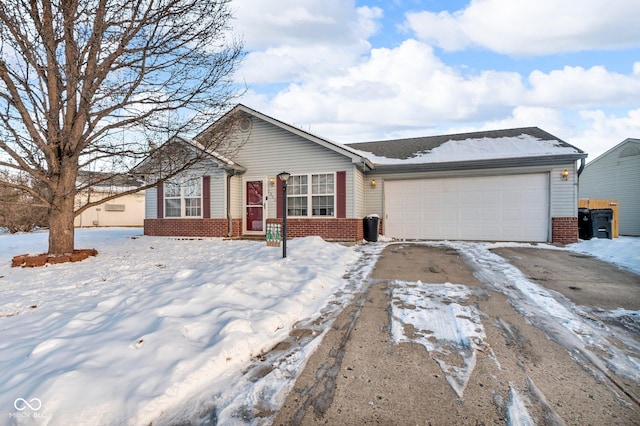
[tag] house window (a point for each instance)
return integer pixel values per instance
(311, 195)
(183, 198)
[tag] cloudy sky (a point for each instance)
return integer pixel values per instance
(363, 70)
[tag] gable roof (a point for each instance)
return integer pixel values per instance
(630, 141)
(220, 159)
(355, 155)
(496, 148)
(149, 164)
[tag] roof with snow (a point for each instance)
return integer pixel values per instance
(508, 147)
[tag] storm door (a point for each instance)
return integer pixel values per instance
(254, 204)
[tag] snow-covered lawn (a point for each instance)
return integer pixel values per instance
(134, 334)
(162, 330)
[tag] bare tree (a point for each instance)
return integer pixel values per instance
(96, 84)
(17, 212)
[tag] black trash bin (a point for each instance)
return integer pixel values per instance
(585, 227)
(601, 223)
(370, 227)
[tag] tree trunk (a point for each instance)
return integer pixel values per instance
(61, 215)
(61, 230)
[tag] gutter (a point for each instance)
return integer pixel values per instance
(548, 160)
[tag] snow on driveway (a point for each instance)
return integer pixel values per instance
(433, 315)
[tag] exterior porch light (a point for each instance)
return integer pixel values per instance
(373, 183)
(284, 176)
(565, 174)
(272, 181)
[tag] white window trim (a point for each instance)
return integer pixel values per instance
(310, 196)
(182, 199)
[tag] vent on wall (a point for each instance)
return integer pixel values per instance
(245, 124)
(630, 151)
(114, 207)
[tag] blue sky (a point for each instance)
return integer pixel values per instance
(368, 70)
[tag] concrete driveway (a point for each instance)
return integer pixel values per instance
(457, 335)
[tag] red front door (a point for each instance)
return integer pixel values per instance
(254, 206)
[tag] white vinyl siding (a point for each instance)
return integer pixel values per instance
(151, 203)
(270, 150)
(359, 192)
(616, 176)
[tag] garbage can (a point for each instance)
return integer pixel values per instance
(601, 223)
(585, 227)
(370, 227)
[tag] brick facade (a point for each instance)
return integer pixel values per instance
(564, 230)
(191, 227)
(329, 229)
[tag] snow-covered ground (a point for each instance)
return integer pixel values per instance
(134, 334)
(166, 330)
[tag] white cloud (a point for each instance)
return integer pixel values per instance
(332, 83)
(290, 41)
(408, 91)
(604, 131)
(294, 23)
(580, 86)
(403, 87)
(531, 27)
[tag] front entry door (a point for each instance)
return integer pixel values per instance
(254, 217)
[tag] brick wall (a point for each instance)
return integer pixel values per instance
(329, 229)
(191, 227)
(564, 230)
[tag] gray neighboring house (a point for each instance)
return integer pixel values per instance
(615, 175)
(504, 185)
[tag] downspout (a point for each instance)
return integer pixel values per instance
(230, 174)
(581, 168)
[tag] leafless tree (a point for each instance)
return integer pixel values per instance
(17, 212)
(98, 84)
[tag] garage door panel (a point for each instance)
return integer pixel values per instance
(495, 208)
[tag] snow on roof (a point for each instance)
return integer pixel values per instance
(480, 149)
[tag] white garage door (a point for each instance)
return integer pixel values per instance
(490, 208)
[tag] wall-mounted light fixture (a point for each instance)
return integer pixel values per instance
(272, 181)
(373, 182)
(565, 174)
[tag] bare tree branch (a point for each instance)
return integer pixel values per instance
(90, 83)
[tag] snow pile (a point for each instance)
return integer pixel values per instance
(132, 335)
(623, 251)
(481, 149)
